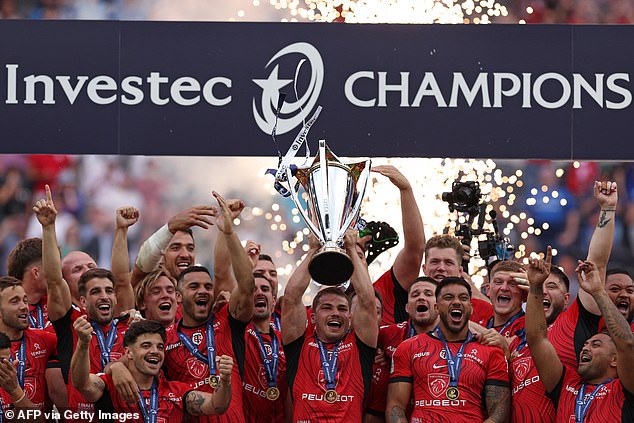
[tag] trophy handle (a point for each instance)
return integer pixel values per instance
(363, 178)
(303, 212)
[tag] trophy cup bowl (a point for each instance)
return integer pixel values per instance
(334, 193)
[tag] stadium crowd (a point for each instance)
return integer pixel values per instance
(166, 338)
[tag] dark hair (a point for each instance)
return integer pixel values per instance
(187, 231)
(5, 342)
(24, 254)
(617, 271)
(193, 269)
(142, 327)
(505, 266)
(330, 290)
(423, 279)
(265, 257)
(452, 281)
(93, 274)
(9, 282)
(556, 270)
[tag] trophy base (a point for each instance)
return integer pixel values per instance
(331, 267)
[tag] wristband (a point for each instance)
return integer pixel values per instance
(152, 249)
(608, 209)
(21, 398)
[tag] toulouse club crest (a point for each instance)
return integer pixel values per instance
(437, 383)
(196, 368)
(521, 367)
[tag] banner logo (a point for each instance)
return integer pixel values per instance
(291, 61)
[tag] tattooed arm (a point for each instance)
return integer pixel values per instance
(88, 384)
(600, 247)
(617, 326)
(204, 404)
(544, 355)
(498, 403)
(398, 395)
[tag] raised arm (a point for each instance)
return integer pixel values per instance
(398, 395)
(199, 403)
(544, 355)
(89, 385)
(152, 249)
(59, 298)
(224, 279)
(241, 301)
(294, 318)
(605, 193)
(617, 326)
(125, 217)
(408, 261)
(364, 320)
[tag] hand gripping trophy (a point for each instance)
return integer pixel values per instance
(334, 191)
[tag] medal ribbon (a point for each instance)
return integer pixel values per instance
(276, 321)
(507, 324)
(328, 365)
(151, 415)
(105, 344)
(411, 331)
(39, 324)
(270, 364)
(454, 363)
(210, 360)
(21, 357)
(582, 404)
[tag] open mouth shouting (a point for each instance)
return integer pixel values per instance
(260, 303)
(153, 361)
(585, 357)
(104, 308)
(547, 304)
(183, 264)
(623, 306)
(334, 324)
(165, 306)
(455, 315)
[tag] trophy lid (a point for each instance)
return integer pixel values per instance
(354, 168)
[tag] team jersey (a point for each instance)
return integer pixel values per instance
(171, 403)
(308, 384)
(257, 407)
(181, 365)
(389, 338)
(611, 404)
(39, 346)
(38, 315)
(67, 338)
(482, 311)
(394, 298)
(515, 326)
(570, 331)
(529, 404)
(421, 361)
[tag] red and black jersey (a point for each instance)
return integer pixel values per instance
(181, 365)
(482, 311)
(612, 403)
(171, 402)
(39, 346)
(421, 361)
(571, 330)
(67, 340)
(390, 337)
(394, 298)
(308, 384)
(257, 407)
(529, 404)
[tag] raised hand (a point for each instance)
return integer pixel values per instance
(45, 210)
(83, 328)
(224, 219)
(225, 365)
(196, 216)
(395, 176)
(589, 277)
(126, 216)
(606, 194)
(235, 207)
(252, 249)
(539, 269)
(8, 375)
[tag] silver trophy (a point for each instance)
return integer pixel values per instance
(334, 192)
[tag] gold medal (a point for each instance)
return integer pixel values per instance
(331, 396)
(272, 393)
(452, 393)
(213, 381)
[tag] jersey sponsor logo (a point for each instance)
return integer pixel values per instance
(38, 354)
(36, 346)
(197, 338)
(175, 345)
(437, 383)
(196, 368)
(525, 383)
(320, 397)
(521, 367)
(421, 354)
(438, 366)
(254, 389)
(440, 403)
